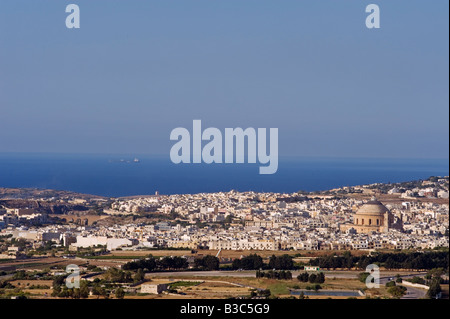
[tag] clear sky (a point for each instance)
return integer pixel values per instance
(136, 69)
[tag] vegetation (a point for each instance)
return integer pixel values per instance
(281, 262)
(207, 263)
(315, 287)
(151, 264)
(76, 293)
(435, 289)
(251, 262)
(362, 277)
(117, 275)
(317, 278)
(312, 278)
(139, 276)
(412, 260)
(6, 285)
(397, 291)
(390, 284)
(91, 252)
(120, 293)
(184, 284)
(303, 277)
(271, 274)
(417, 280)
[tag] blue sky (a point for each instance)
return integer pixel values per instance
(135, 70)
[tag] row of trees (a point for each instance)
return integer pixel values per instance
(151, 264)
(281, 262)
(116, 275)
(172, 263)
(272, 274)
(250, 262)
(61, 290)
(207, 263)
(83, 292)
(413, 260)
(312, 278)
(75, 293)
(97, 287)
(255, 262)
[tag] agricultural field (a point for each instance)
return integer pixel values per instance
(233, 253)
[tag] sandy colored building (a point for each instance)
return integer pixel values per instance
(373, 216)
(154, 288)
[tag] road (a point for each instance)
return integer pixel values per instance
(351, 274)
(411, 292)
(414, 293)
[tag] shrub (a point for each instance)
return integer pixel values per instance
(390, 284)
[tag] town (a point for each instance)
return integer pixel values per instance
(54, 228)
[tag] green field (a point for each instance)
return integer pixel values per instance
(184, 284)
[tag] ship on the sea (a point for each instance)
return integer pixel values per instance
(136, 160)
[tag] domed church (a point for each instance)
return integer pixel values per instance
(373, 216)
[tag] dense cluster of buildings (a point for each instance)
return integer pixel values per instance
(19, 216)
(258, 221)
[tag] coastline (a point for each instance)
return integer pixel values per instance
(106, 175)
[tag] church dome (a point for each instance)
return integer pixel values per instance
(372, 207)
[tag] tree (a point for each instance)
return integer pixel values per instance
(436, 272)
(418, 280)
(173, 263)
(390, 284)
(281, 262)
(56, 290)
(363, 276)
(117, 275)
(320, 279)
(97, 290)
(265, 293)
(347, 260)
(363, 262)
(397, 291)
(104, 293)
(434, 290)
(148, 264)
(84, 289)
(251, 262)
(208, 263)
(65, 292)
(120, 293)
(312, 278)
(303, 277)
(76, 293)
(139, 276)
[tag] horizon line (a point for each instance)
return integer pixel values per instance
(290, 156)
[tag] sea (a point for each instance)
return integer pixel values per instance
(130, 175)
